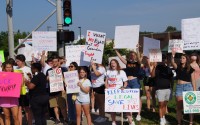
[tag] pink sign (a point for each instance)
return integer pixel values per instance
(10, 84)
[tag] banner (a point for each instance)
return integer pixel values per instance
(121, 64)
(56, 80)
(44, 40)
(191, 33)
(191, 101)
(150, 43)
(175, 45)
(155, 55)
(117, 100)
(94, 46)
(71, 81)
(126, 36)
(10, 84)
(75, 53)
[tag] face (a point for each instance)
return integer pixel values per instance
(113, 65)
(193, 58)
(19, 63)
(183, 59)
(82, 74)
(33, 70)
(72, 67)
(133, 56)
(8, 68)
(55, 63)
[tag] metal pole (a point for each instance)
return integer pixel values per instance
(80, 31)
(10, 28)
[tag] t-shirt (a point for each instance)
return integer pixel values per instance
(98, 81)
(183, 74)
(39, 81)
(45, 68)
(115, 79)
(82, 96)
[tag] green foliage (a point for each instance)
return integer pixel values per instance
(170, 29)
(81, 42)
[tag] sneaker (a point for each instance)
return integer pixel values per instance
(97, 118)
(138, 118)
(133, 123)
(93, 111)
(114, 123)
(101, 120)
(165, 121)
(162, 122)
(97, 110)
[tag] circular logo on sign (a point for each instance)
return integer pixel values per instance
(190, 98)
(58, 71)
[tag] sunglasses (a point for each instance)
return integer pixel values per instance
(71, 66)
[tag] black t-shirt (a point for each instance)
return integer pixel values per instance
(183, 74)
(39, 81)
(163, 76)
(132, 69)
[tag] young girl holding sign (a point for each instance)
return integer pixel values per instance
(83, 97)
(116, 79)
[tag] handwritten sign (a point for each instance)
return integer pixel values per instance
(117, 100)
(175, 45)
(155, 55)
(94, 46)
(27, 51)
(126, 36)
(75, 53)
(10, 84)
(56, 80)
(71, 80)
(191, 101)
(121, 64)
(191, 33)
(44, 40)
(150, 43)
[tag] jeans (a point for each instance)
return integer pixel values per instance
(134, 84)
(180, 88)
(71, 108)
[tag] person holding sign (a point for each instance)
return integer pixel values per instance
(117, 79)
(185, 82)
(83, 97)
(9, 103)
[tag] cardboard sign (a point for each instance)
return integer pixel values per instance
(150, 43)
(75, 53)
(191, 101)
(191, 33)
(155, 55)
(175, 45)
(126, 36)
(44, 40)
(71, 80)
(122, 65)
(94, 46)
(10, 84)
(56, 80)
(117, 100)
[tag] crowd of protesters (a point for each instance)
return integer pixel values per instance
(37, 103)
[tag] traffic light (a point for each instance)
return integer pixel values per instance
(67, 12)
(65, 36)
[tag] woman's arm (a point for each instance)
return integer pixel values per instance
(193, 81)
(172, 60)
(120, 57)
(94, 67)
(84, 89)
(106, 83)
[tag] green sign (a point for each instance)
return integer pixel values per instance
(2, 59)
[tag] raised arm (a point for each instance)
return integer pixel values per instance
(120, 57)
(43, 58)
(172, 60)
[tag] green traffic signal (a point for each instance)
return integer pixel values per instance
(68, 20)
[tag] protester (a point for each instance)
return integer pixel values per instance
(38, 95)
(98, 85)
(24, 97)
(83, 97)
(9, 103)
(185, 82)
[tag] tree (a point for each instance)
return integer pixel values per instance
(170, 29)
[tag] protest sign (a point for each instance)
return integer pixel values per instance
(94, 46)
(121, 64)
(27, 51)
(175, 45)
(28, 41)
(191, 101)
(2, 58)
(44, 40)
(150, 43)
(126, 36)
(155, 55)
(56, 80)
(117, 100)
(191, 33)
(74, 53)
(71, 81)
(10, 84)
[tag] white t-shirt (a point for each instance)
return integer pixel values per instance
(45, 68)
(82, 96)
(98, 81)
(115, 80)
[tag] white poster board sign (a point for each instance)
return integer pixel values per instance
(191, 101)
(94, 46)
(44, 40)
(150, 43)
(27, 51)
(126, 36)
(155, 55)
(74, 53)
(191, 33)
(56, 80)
(28, 41)
(71, 81)
(175, 45)
(117, 100)
(122, 65)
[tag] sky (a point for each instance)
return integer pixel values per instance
(102, 15)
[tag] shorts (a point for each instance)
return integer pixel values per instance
(134, 84)
(180, 88)
(99, 90)
(24, 100)
(57, 101)
(81, 103)
(163, 94)
(148, 81)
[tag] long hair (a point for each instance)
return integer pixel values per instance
(195, 54)
(118, 66)
(75, 65)
(7, 63)
(187, 63)
(84, 69)
(133, 52)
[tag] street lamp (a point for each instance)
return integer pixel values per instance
(80, 31)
